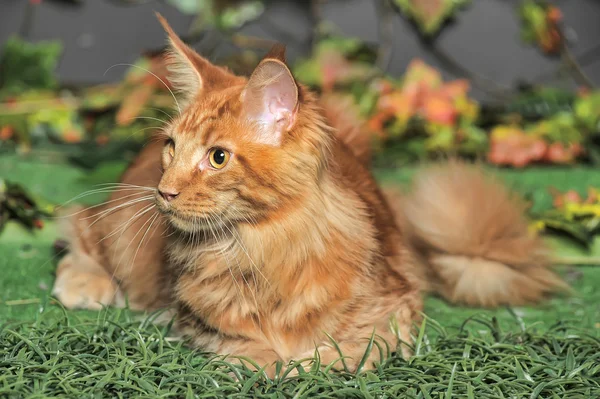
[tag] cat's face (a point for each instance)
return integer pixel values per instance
(237, 153)
(214, 172)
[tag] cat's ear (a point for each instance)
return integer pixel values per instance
(270, 97)
(189, 72)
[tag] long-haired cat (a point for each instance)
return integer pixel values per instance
(257, 217)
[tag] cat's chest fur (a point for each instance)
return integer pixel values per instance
(278, 299)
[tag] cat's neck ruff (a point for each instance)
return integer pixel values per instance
(328, 216)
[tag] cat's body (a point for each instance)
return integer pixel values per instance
(282, 241)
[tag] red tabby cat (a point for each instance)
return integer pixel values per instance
(258, 218)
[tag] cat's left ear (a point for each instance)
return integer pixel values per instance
(189, 72)
(271, 97)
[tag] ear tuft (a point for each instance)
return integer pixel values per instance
(184, 71)
(277, 52)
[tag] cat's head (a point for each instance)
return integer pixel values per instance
(242, 149)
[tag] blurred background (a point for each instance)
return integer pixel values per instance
(484, 36)
(513, 83)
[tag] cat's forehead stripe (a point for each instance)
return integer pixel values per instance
(207, 134)
(192, 123)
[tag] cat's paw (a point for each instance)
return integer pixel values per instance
(76, 287)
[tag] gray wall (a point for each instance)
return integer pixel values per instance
(485, 37)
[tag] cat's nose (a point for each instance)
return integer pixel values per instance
(168, 195)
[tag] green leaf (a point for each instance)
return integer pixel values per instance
(430, 15)
(224, 15)
(191, 7)
(555, 223)
(235, 17)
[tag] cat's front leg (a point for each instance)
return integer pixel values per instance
(81, 283)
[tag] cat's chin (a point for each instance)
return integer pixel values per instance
(186, 225)
(182, 225)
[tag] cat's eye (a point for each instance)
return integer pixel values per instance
(171, 148)
(218, 158)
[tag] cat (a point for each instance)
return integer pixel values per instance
(256, 216)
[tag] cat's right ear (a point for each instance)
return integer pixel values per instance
(271, 97)
(189, 72)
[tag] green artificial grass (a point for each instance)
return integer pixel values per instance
(113, 356)
(548, 351)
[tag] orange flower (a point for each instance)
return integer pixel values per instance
(103, 139)
(439, 109)
(71, 136)
(6, 132)
(553, 14)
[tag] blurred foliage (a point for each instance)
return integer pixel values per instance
(17, 204)
(414, 117)
(337, 62)
(417, 116)
(560, 138)
(28, 65)
(430, 15)
(421, 116)
(226, 15)
(101, 123)
(540, 25)
(573, 216)
(421, 103)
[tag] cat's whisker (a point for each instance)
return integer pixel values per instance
(99, 191)
(96, 206)
(126, 224)
(238, 295)
(130, 222)
(238, 240)
(123, 226)
(142, 130)
(149, 118)
(243, 247)
(103, 190)
(163, 111)
(173, 230)
(221, 224)
(187, 240)
(131, 242)
(159, 136)
(111, 210)
(222, 252)
(237, 212)
(101, 215)
(151, 73)
(149, 188)
(126, 249)
(156, 216)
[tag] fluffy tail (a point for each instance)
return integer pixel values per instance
(473, 237)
